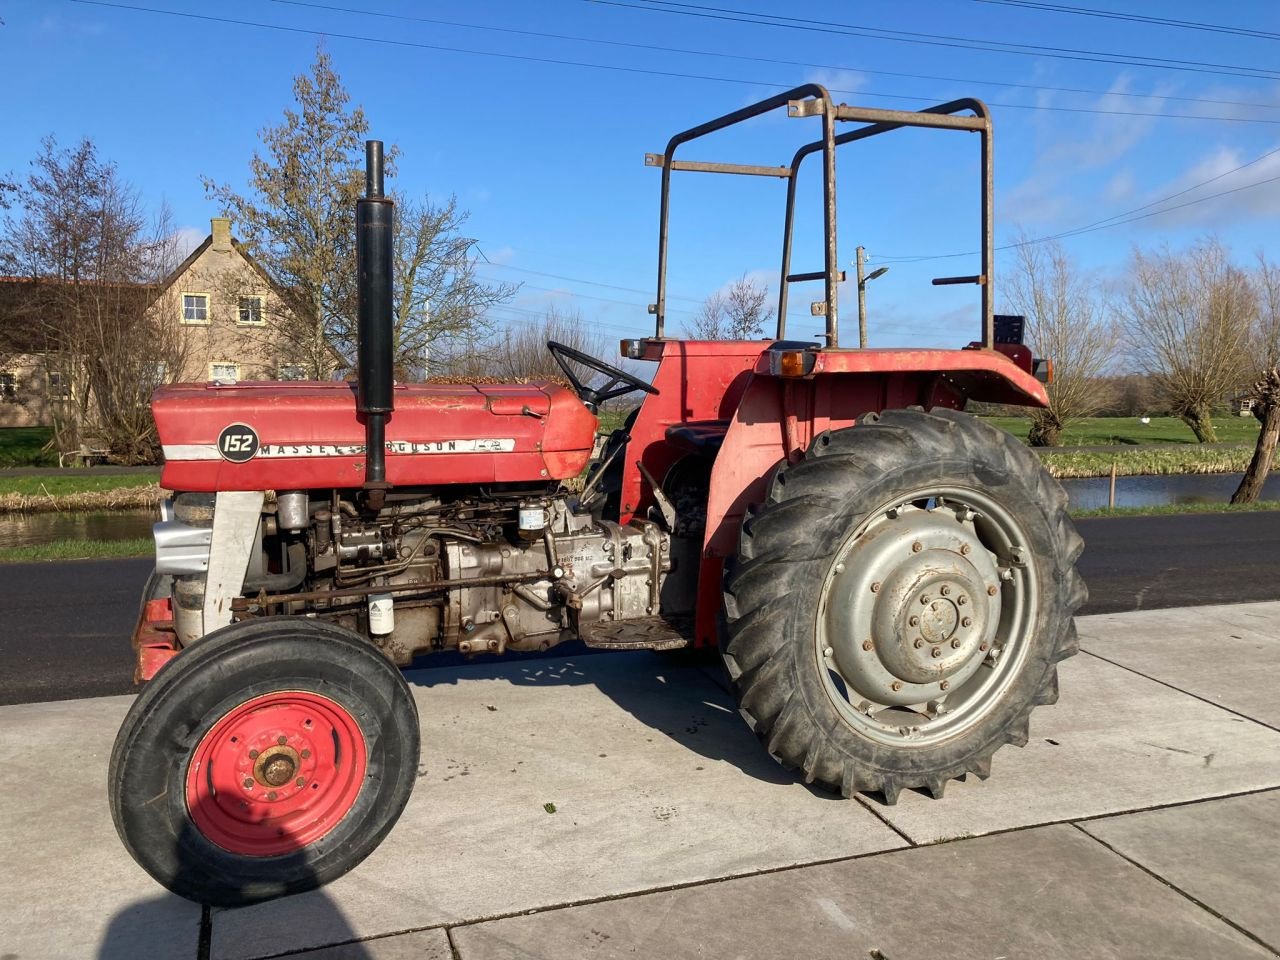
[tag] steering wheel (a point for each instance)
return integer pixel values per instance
(620, 382)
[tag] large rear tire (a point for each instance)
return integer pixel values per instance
(267, 759)
(900, 602)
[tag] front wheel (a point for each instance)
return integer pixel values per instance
(267, 759)
(901, 601)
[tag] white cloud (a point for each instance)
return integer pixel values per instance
(186, 239)
(1253, 203)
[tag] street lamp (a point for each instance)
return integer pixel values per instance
(862, 293)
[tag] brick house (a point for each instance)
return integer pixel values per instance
(217, 304)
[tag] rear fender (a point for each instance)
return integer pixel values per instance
(778, 417)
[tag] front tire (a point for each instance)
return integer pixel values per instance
(267, 759)
(900, 602)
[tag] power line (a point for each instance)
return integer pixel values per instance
(527, 58)
(941, 40)
(1118, 219)
(661, 48)
(1138, 18)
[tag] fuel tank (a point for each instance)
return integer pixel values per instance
(274, 435)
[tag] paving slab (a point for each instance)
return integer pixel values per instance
(422, 945)
(553, 781)
(68, 889)
(1115, 741)
(1229, 655)
(1225, 853)
(1050, 893)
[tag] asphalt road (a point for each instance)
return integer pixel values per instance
(65, 629)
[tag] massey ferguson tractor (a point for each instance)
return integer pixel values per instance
(890, 582)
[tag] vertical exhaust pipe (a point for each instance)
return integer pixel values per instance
(374, 215)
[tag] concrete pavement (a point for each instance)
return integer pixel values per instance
(1142, 820)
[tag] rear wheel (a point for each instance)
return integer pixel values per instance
(270, 758)
(901, 601)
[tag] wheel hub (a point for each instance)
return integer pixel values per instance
(909, 614)
(276, 773)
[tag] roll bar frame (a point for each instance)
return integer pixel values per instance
(810, 100)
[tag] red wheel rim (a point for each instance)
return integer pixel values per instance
(276, 773)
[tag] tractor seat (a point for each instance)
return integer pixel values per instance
(699, 437)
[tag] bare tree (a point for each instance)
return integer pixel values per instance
(1264, 350)
(294, 220)
(1067, 321)
(90, 263)
(736, 313)
(437, 296)
(520, 352)
(1188, 318)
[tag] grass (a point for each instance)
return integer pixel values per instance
(74, 481)
(24, 447)
(1108, 431)
(1173, 509)
(78, 550)
(1147, 462)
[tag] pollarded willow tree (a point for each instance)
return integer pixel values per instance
(1188, 318)
(1068, 321)
(1264, 354)
(296, 220)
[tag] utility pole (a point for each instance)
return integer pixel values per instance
(862, 294)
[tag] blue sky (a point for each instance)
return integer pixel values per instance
(548, 157)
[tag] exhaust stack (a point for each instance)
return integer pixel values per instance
(374, 216)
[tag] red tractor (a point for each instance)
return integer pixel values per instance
(889, 581)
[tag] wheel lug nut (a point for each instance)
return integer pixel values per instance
(944, 684)
(926, 600)
(248, 782)
(962, 600)
(896, 685)
(875, 587)
(282, 740)
(917, 547)
(305, 754)
(992, 590)
(966, 621)
(300, 782)
(913, 622)
(271, 795)
(253, 754)
(964, 549)
(955, 644)
(936, 652)
(982, 646)
(867, 644)
(919, 642)
(826, 652)
(945, 591)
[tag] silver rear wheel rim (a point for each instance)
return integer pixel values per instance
(926, 616)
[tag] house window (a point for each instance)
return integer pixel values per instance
(8, 388)
(195, 308)
(224, 371)
(251, 311)
(58, 385)
(292, 372)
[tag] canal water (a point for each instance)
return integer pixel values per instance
(1091, 493)
(1088, 494)
(26, 529)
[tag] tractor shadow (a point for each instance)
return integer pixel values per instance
(674, 695)
(145, 928)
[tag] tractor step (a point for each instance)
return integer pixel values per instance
(645, 633)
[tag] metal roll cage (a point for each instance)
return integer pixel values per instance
(810, 100)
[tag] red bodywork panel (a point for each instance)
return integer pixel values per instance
(310, 435)
(154, 639)
(766, 419)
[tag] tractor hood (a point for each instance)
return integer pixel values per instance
(282, 436)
